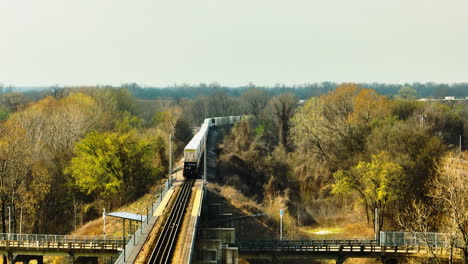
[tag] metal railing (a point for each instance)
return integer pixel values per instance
(59, 238)
(60, 242)
(431, 239)
(135, 237)
(287, 244)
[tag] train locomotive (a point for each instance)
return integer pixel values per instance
(195, 149)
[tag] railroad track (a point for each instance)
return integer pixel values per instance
(164, 247)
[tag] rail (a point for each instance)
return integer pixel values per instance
(164, 246)
(430, 239)
(130, 245)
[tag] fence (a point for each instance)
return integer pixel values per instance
(431, 239)
(60, 238)
(139, 232)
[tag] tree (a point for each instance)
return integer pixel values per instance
(116, 167)
(24, 181)
(53, 126)
(282, 108)
(378, 183)
(335, 126)
(167, 120)
(407, 92)
(220, 104)
(410, 146)
(255, 101)
(13, 101)
(450, 192)
(444, 209)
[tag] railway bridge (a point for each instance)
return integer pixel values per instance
(339, 250)
(79, 249)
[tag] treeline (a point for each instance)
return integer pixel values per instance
(304, 91)
(423, 90)
(68, 153)
(350, 147)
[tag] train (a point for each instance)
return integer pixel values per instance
(193, 152)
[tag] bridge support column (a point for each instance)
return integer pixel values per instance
(274, 259)
(340, 260)
(389, 260)
(71, 259)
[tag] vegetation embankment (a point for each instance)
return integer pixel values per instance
(341, 157)
(334, 158)
(68, 155)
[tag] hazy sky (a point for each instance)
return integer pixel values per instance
(152, 42)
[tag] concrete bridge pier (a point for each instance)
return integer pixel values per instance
(340, 260)
(389, 260)
(25, 259)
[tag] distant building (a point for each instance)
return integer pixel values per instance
(449, 98)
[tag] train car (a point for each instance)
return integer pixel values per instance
(193, 152)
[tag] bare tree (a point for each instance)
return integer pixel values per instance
(254, 100)
(447, 209)
(282, 108)
(450, 192)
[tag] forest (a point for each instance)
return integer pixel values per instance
(68, 152)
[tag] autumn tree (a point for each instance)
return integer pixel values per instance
(444, 209)
(53, 126)
(378, 183)
(24, 181)
(255, 101)
(450, 194)
(116, 167)
(335, 126)
(281, 109)
(410, 146)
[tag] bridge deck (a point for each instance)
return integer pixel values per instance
(60, 245)
(333, 249)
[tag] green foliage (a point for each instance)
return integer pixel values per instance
(378, 182)
(113, 166)
(410, 146)
(4, 114)
(407, 92)
(128, 122)
(335, 126)
(404, 109)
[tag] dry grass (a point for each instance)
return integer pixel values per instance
(151, 240)
(237, 199)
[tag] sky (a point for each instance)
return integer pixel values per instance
(235, 42)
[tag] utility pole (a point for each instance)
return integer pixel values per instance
(460, 145)
(9, 222)
(104, 219)
(170, 159)
(21, 220)
(281, 224)
(205, 161)
(376, 225)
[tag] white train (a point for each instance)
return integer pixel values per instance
(193, 152)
